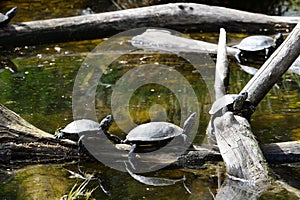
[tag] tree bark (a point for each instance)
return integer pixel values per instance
(179, 16)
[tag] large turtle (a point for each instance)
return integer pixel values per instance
(5, 18)
(257, 43)
(153, 135)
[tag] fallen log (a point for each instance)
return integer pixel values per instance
(179, 16)
(23, 144)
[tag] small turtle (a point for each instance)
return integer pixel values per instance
(257, 43)
(5, 19)
(236, 103)
(72, 130)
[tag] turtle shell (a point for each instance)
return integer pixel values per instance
(154, 131)
(256, 43)
(81, 125)
(222, 102)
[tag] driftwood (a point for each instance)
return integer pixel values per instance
(222, 70)
(165, 41)
(246, 166)
(21, 143)
(221, 79)
(240, 151)
(179, 16)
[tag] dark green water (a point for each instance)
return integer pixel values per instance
(40, 90)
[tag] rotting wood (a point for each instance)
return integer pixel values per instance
(179, 16)
(239, 149)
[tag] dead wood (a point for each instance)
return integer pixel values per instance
(179, 16)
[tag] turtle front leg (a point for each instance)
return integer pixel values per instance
(115, 139)
(81, 148)
(132, 156)
(267, 53)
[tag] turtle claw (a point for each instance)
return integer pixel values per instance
(238, 57)
(59, 136)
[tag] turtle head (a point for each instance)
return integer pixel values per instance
(106, 123)
(278, 39)
(189, 122)
(12, 12)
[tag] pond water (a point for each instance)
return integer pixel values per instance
(37, 83)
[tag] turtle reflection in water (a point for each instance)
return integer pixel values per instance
(152, 136)
(256, 44)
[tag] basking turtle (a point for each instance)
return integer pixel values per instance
(5, 18)
(236, 103)
(258, 43)
(153, 134)
(72, 130)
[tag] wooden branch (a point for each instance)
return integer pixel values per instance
(221, 79)
(277, 64)
(222, 70)
(179, 16)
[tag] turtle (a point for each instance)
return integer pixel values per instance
(236, 103)
(73, 129)
(258, 43)
(151, 136)
(5, 18)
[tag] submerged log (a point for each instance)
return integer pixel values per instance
(163, 40)
(179, 16)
